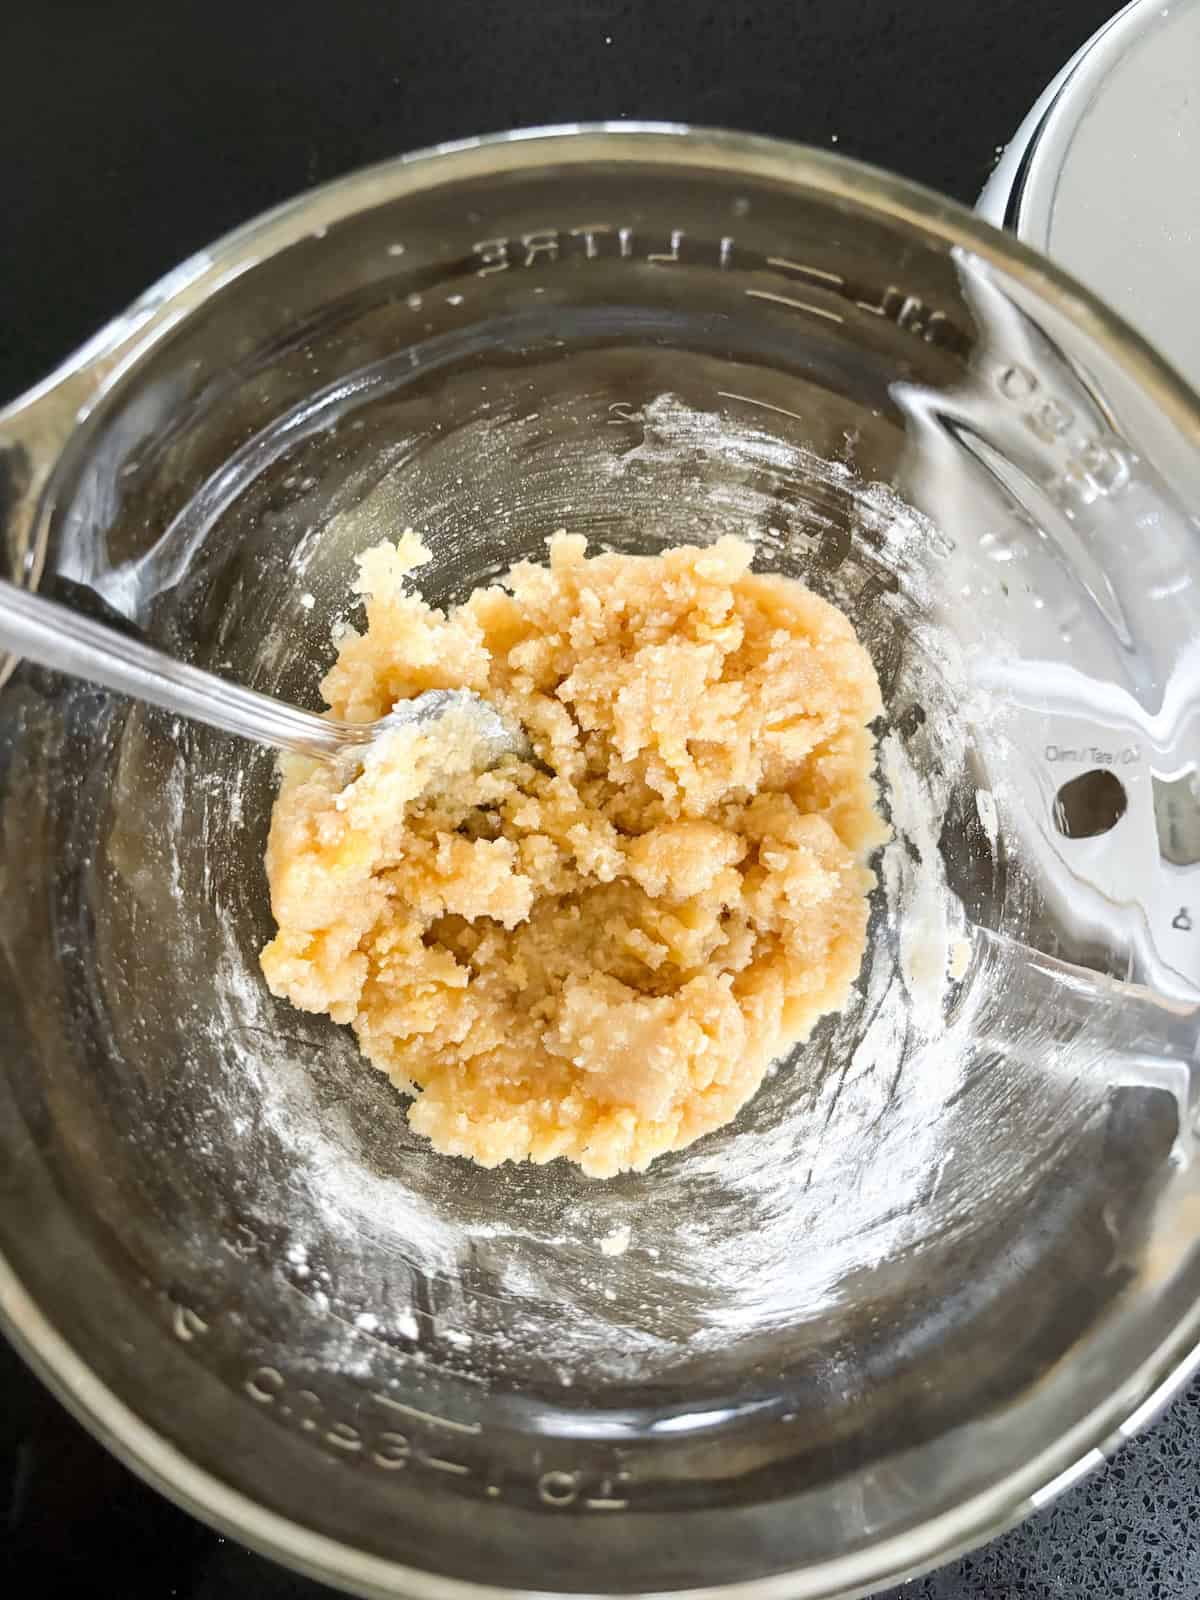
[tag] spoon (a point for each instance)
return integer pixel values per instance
(54, 636)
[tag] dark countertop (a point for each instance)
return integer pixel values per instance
(135, 133)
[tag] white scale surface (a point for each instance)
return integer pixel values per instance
(1104, 177)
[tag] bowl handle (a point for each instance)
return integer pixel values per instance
(34, 429)
(1117, 1034)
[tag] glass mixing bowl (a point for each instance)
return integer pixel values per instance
(948, 1254)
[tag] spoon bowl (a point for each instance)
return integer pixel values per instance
(56, 637)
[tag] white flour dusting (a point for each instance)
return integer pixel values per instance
(927, 917)
(617, 1242)
(989, 817)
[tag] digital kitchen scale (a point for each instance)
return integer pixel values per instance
(1103, 176)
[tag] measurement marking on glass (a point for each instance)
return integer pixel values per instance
(668, 255)
(427, 1416)
(816, 273)
(748, 399)
(794, 305)
(588, 233)
(440, 1464)
(187, 1325)
(558, 1488)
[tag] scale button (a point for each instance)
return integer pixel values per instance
(1090, 804)
(1177, 817)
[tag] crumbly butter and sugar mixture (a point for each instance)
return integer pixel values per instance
(595, 955)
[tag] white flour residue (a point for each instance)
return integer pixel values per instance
(741, 494)
(404, 1323)
(927, 918)
(989, 817)
(832, 1186)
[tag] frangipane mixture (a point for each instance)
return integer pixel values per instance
(594, 955)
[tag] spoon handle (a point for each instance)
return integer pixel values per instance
(41, 630)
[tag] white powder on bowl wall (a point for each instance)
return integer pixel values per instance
(617, 1242)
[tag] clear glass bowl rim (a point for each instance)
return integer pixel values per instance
(1137, 1396)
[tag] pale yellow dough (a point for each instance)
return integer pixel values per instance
(597, 960)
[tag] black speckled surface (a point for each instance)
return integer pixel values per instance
(133, 133)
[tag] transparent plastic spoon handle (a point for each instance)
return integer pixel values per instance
(50, 634)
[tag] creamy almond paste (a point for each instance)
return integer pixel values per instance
(596, 955)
